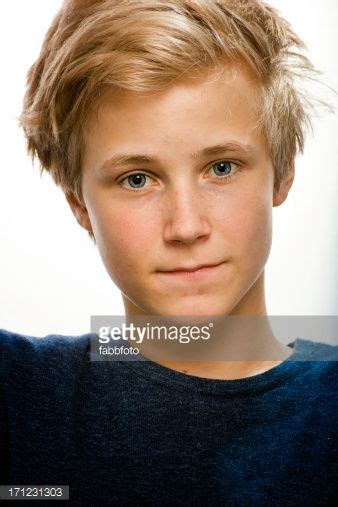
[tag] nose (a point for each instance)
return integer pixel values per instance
(186, 216)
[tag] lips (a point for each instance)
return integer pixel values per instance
(194, 274)
(190, 269)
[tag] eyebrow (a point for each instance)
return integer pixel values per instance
(124, 159)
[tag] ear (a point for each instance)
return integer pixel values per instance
(280, 195)
(79, 211)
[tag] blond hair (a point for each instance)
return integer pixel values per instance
(145, 45)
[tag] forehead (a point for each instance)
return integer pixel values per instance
(190, 113)
(230, 83)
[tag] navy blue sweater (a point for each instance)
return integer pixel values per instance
(138, 433)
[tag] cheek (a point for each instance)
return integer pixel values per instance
(121, 235)
(257, 234)
(246, 227)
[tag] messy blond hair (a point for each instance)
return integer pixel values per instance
(145, 45)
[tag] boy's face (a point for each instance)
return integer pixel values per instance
(183, 208)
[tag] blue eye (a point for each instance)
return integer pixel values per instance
(224, 168)
(136, 180)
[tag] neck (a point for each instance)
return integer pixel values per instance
(239, 347)
(242, 343)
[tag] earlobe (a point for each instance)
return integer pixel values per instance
(280, 196)
(79, 211)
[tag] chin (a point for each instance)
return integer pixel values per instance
(195, 307)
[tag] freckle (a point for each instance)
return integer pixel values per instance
(185, 371)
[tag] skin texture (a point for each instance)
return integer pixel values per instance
(186, 213)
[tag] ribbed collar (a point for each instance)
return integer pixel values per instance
(290, 367)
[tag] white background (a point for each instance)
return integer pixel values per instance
(52, 278)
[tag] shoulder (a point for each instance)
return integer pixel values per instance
(20, 343)
(320, 361)
(308, 350)
(22, 353)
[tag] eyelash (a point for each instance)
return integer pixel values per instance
(222, 179)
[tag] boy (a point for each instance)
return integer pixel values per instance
(172, 128)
